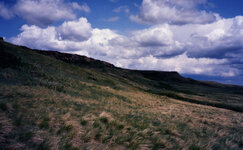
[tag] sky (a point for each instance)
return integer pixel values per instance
(201, 39)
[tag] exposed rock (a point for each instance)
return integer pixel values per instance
(77, 59)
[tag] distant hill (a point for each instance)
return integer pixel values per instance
(54, 100)
(169, 78)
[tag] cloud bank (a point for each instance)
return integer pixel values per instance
(214, 49)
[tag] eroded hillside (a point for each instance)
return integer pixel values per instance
(49, 103)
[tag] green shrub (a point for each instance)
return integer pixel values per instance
(168, 131)
(44, 125)
(83, 122)
(194, 147)
(97, 135)
(65, 128)
(104, 120)
(96, 124)
(158, 146)
(120, 126)
(69, 146)
(157, 143)
(3, 106)
(106, 139)
(25, 136)
(18, 120)
(43, 146)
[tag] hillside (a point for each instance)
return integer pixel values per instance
(53, 100)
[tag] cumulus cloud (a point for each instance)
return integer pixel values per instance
(63, 37)
(83, 7)
(173, 12)
(79, 30)
(215, 40)
(42, 12)
(5, 12)
(155, 36)
(189, 49)
(35, 37)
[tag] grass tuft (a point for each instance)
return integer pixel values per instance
(194, 147)
(83, 122)
(43, 146)
(65, 128)
(104, 120)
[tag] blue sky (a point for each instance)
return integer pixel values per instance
(202, 39)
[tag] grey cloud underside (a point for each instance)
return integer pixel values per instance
(218, 52)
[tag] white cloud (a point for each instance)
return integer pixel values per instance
(216, 39)
(112, 19)
(122, 9)
(43, 12)
(208, 49)
(155, 36)
(183, 64)
(35, 37)
(83, 7)
(173, 12)
(79, 30)
(5, 12)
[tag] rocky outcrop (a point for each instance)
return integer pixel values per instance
(77, 59)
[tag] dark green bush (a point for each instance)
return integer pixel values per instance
(44, 125)
(65, 128)
(194, 147)
(120, 126)
(25, 136)
(3, 106)
(43, 146)
(83, 122)
(104, 120)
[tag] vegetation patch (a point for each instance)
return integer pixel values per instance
(110, 108)
(3, 106)
(25, 136)
(65, 128)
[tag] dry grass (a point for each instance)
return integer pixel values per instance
(146, 121)
(48, 104)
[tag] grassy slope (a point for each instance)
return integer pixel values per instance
(49, 104)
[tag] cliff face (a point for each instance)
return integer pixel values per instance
(164, 75)
(93, 63)
(77, 59)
